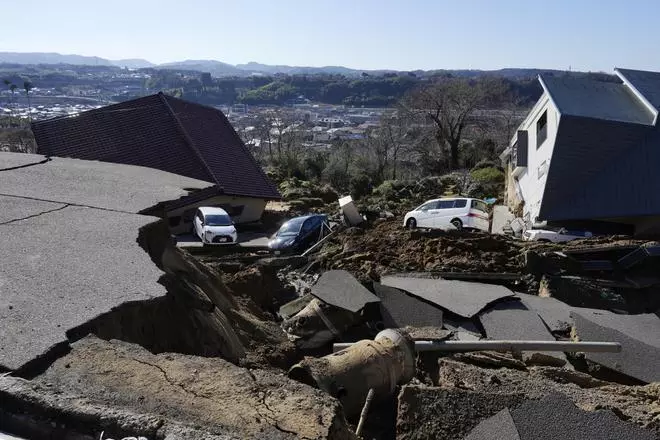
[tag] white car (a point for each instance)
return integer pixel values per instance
(214, 226)
(550, 236)
(457, 212)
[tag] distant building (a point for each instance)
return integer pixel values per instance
(587, 155)
(172, 135)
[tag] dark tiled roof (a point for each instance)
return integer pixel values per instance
(161, 132)
(602, 169)
(596, 99)
(646, 83)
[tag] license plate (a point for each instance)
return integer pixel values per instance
(222, 240)
(277, 252)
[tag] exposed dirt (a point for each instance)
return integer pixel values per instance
(387, 247)
(209, 393)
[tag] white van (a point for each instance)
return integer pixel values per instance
(214, 226)
(446, 213)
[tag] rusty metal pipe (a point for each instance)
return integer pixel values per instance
(457, 346)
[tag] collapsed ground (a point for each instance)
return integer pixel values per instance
(141, 363)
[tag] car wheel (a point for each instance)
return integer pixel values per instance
(458, 224)
(412, 223)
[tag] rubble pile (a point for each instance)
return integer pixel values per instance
(386, 247)
(147, 339)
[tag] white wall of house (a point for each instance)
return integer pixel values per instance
(252, 210)
(531, 181)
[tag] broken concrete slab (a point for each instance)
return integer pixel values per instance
(555, 416)
(62, 268)
(446, 414)
(101, 382)
(499, 427)
(512, 320)
(552, 417)
(398, 309)
(639, 336)
(554, 313)
(460, 297)
(103, 185)
(637, 404)
(340, 289)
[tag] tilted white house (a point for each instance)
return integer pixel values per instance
(588, 154)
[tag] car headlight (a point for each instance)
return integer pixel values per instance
(208, 233)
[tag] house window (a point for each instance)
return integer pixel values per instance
(542, 129)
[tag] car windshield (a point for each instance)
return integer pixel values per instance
(292, 227)
(217, 220)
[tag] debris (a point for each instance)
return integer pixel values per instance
(123, 389)
(294, 307)
(500, 427)
(350, 212)
(365, 411)
(506, 345)
(638, 335)
(381, 364)
(318, 323)
(340, 289)
(398, 309)
(637, 404)
(554, 313)
(512, 320)
(460, 297)
(446, 414)
(555, 416)
(386, 248)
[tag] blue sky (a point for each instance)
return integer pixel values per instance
(592, 35)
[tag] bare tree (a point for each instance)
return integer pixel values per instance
(27, 86)
(450, 104)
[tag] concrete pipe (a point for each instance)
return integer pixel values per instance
(349, 374)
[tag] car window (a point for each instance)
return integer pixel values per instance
(217, 220)
(479, 205)
(445, 204)
(427, 206)
(308, 226)
(460, 203)
(292, 227)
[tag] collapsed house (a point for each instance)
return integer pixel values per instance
(172, 135)
(585, 157)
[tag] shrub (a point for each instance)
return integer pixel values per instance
(360, 186)
(488, 175)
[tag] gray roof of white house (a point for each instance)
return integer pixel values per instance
(646, 83)
(596, 99)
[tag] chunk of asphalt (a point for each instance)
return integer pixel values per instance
(398, 309)
(512, 320)
(340, 289)
(61, 269)
(639, 336)
(556, 314)
(556, 417)
(498, 427)
(460, 297)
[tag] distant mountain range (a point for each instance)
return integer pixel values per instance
(218, 68)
